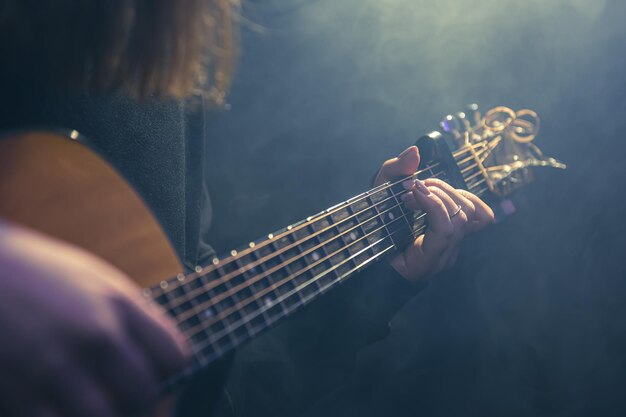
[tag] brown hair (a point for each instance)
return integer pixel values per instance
(167, 48)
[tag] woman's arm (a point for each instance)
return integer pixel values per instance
(76, 337)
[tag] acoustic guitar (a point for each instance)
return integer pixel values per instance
(54, 183)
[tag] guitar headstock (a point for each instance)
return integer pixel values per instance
(496, 149)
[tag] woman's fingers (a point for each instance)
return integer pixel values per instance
(483, 215)
(451, 214)
(454, 205)
(457, 196)
(440, 228)
(404, 164)
(421, 198)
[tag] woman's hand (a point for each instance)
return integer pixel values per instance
(451, 213)
(76, 337)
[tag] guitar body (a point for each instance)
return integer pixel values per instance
(59, 187)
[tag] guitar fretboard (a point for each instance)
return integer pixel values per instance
(224, 304)
(221, 305)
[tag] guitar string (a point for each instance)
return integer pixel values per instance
(189, 296)
(209, 268)
(471, 157)
(482, 155)
(205, 271)
(466, 149)
(233, 274)
(288, 232)
(244, 320)
(202, 359)
(173, 303)
(258, 295)
(249, 282)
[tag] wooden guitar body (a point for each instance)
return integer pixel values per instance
(58, 186)
(55, 185)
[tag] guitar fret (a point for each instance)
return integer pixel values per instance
(358, 237)
(375, 201)
(262, 284)
(410, 217)
(262, 320)
(165, 300)
(242, 332)
(326, 251)
(299, 267)
(207, 313)
(370, 224)
(404, 213)
(291, 268)
(278, 275)
(196, 339)
(356, 244)
(310, 254)
(340, 240)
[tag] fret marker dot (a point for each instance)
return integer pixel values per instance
(251, 244)
(164, 284)
(289, 227)
(180, 277)
(315, 256)
(270, 236)
(215, 261)
(308, 219)
(233, 252)
(198, 268)
(268, 301)
(353, 236)
(208, 312)
(391, 216)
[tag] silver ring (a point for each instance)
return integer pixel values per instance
(456, 213)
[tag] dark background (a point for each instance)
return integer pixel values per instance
(531, 321)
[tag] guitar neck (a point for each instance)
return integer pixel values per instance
(223, 304)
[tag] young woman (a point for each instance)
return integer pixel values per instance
(135, 77)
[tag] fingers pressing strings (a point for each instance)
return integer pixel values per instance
(404, 164)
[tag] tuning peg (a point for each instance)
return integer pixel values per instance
(450, 124)
(464, 124)
(473, 114)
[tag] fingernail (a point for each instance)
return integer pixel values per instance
(408, 184)
(421, 187)
(406, 197)
(406, 151)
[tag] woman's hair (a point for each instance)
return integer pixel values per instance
(165, 48)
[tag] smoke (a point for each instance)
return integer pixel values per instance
(489, 51)
(531, 320)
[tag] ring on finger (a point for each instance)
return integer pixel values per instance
(456, 213)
